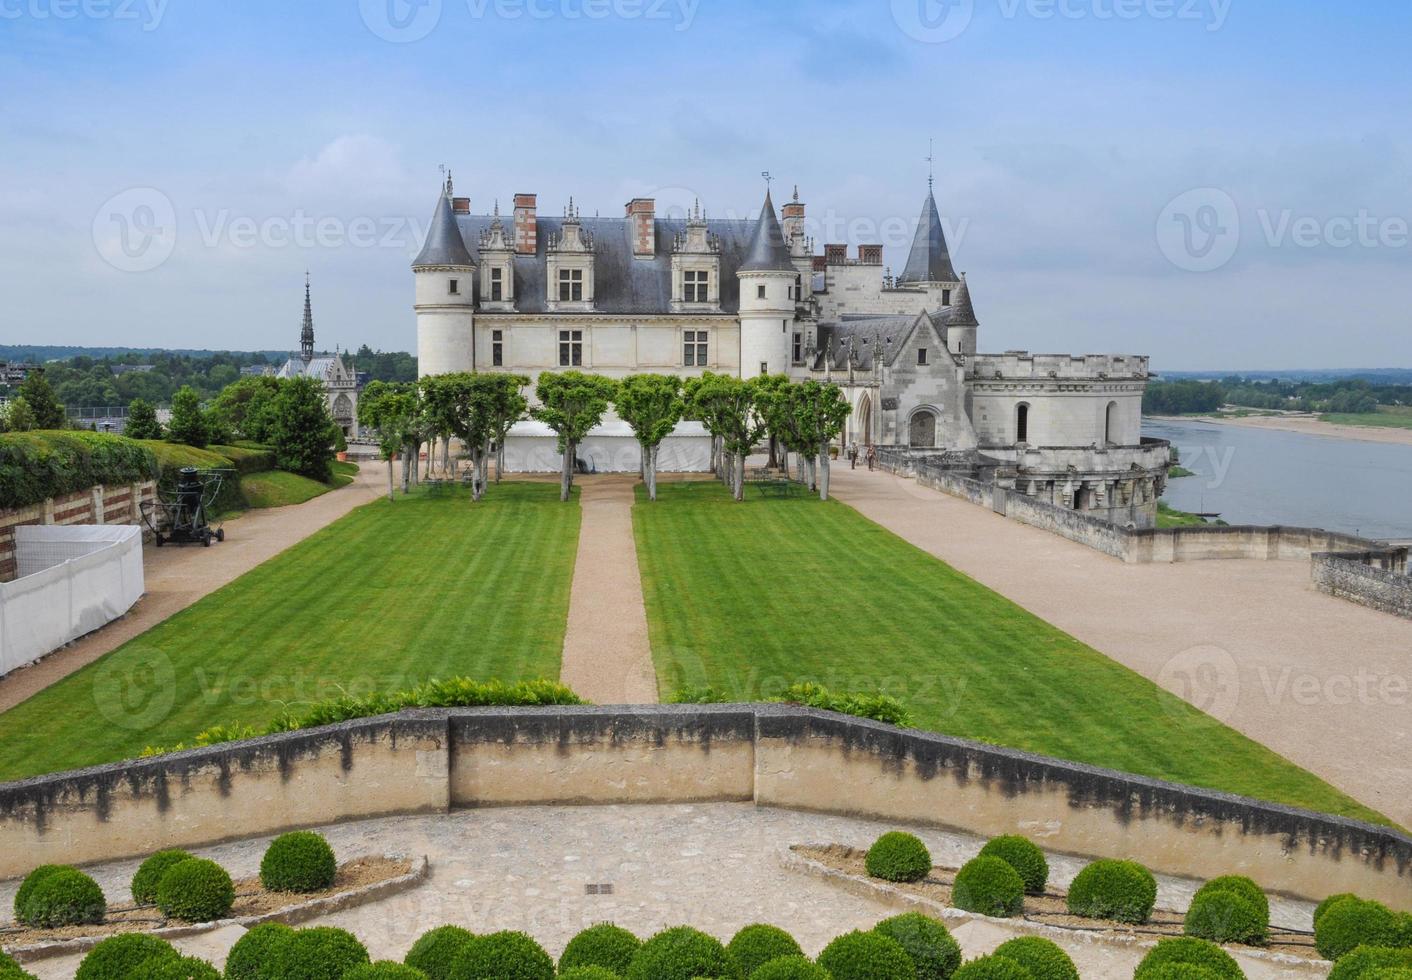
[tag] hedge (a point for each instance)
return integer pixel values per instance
(436, 950)
(300, 861)
(867, 956)
(37, 465)
(172, 457)
(1192, 952)
(1042, 957)
(935, 954)
(149, 874)
(898, 856)
(196, 890)
(989, 886)
(1024, 856)
(1123, 891)
(247, 459)
(604, 945)
(681, 953)
(755, 945)
(878, 707)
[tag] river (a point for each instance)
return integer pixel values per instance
(1265, 476)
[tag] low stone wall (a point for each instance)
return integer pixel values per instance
(96, 505)
(1367, 578)
(775, 755)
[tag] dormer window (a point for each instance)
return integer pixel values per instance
(921, 356)
(454, 287)
(570, 285)
(497, 285)
(696, 286)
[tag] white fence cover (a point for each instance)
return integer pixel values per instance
(532, 447)
(73, 580)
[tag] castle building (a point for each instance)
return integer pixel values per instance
(338, 377)
(650, 293)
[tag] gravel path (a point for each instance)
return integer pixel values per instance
(178, 575)
(1324, 682)
(607, 657)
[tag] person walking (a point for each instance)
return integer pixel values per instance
(872, 457)
(853, 455)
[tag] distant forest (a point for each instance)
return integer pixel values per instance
(1349, 395)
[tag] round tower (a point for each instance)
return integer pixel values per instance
(961, 322)
(445, 303)
(766, 298)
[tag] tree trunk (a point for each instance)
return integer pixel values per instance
(739, 489)
(810, 465)
(652, 474)
(566, 481)
(446, 457)
(499, 459)
(389, 478)
(824, 472)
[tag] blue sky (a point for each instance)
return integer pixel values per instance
(1219, 183)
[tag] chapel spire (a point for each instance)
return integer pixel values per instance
(306, 335)
(930, 259)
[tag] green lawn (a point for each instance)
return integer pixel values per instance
(390, 595)
(276, 488)
(1386, 417)
(1171, 517)
(749, 597)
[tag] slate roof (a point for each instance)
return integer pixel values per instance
(962, 314)
(318, 367)
(930, 259)
(865, 332)
(768, 251)
(443, 245)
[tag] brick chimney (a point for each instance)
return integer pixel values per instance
(836, 254)
(793, 217)
(526, 224)
(461, 205)
(870, 254)
(642, 212)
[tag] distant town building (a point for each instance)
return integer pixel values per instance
(257, 371)
(15, 372)
(132, 368)
(339, 380)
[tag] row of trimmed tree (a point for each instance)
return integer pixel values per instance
(478, 409)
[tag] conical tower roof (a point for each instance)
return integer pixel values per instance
(444, 244)
(930, 260)
(768, 251)
(963, 314)
(306, 332)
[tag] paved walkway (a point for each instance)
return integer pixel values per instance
(1322, 681)
(178, 575)
(607, 658)
(715, 866)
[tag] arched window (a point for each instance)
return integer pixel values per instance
(1110, 424)
(1022, 422)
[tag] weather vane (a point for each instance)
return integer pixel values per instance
(768, 178)
(931, 162)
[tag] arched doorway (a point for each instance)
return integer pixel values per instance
(864, 420)
(1110, 424)
(1022, 422)
(922, 434)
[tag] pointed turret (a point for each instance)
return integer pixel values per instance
(929, 260)
(306, 334)
(963, 314)
(445, 302)
(444, 245)
(768, 251)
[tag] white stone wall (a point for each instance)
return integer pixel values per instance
(1060, 414)
(612, 346)
(766, 325)
(444, 320)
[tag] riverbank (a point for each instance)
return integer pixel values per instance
(1306, 424)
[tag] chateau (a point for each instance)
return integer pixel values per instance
(649, 293)
(339, 379)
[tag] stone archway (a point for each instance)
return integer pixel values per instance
(864, 416)
(922, 429)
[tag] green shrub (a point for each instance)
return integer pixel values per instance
(247, 459)
(1227, 917)
(1351, 923)
(878, 707)
(1123, 891)
(1242, 886)
(989, 886)
(935, 954)
(1365, 961)
(1022, 855)
(436, 950)
(10, 970)
(1392, 973)
(149, 875)
(1192, 952)
(65, 897)
(117, 957)
(503, 956)
(384, 970)
(588, 973)
(38, 465)
(604, 945)
(301, 861)
(176, 968)
(992, 968)
(30, 883)
(867, 956)
(1402, 929)
(681, 953)
(755, 945)
(698, 695)
(316, 953)
(1180, 971)
(898, 856)
(253, 953)
(1044, 959)
(791, 968)
(1328, 903)
(196, 891)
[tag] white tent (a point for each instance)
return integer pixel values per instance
(532, 447)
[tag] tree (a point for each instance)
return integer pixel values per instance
(508, 406)
(771, 397)
(653, 405)
(726, 405)
(19, 417)
(441, 395)
(302, 433)
(820, 410)
(571, 403)
(188, 423)
(47, 411)
(245, 407)
(142, 421)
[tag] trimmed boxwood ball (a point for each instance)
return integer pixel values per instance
(118, 957)
(384, 970)
(1243, 886)
(10, 970)
(1402, 930)
(898, 856)
(989, 886)
(1351, 923)
(935, 954)
(605, 945)
(30, 883)
(65, 897)
(196, 890)
(1227, 917)
(1043, 958)
(149, 875)
(1364, 961)
(681, 953)
(178, 968)
(1123, 891)
(755, 945)
(867, 956)
(253, 952)
(992, 968)
(1329, 903)
(1024, 856)
(790, 968)
(588, 973)
(1180, 971)
(316, 953)
(436, 950)
(300, 861)
(1193, 952)
(503, 956)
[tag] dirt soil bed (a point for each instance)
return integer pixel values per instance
(1049, 909)
(251, 899)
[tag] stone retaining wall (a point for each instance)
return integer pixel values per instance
(775, 755)
(1366, 578)
(96, 505)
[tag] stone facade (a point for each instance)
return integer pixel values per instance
(649, 293)
(338, 377)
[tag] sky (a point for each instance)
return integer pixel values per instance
(1221, 184)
